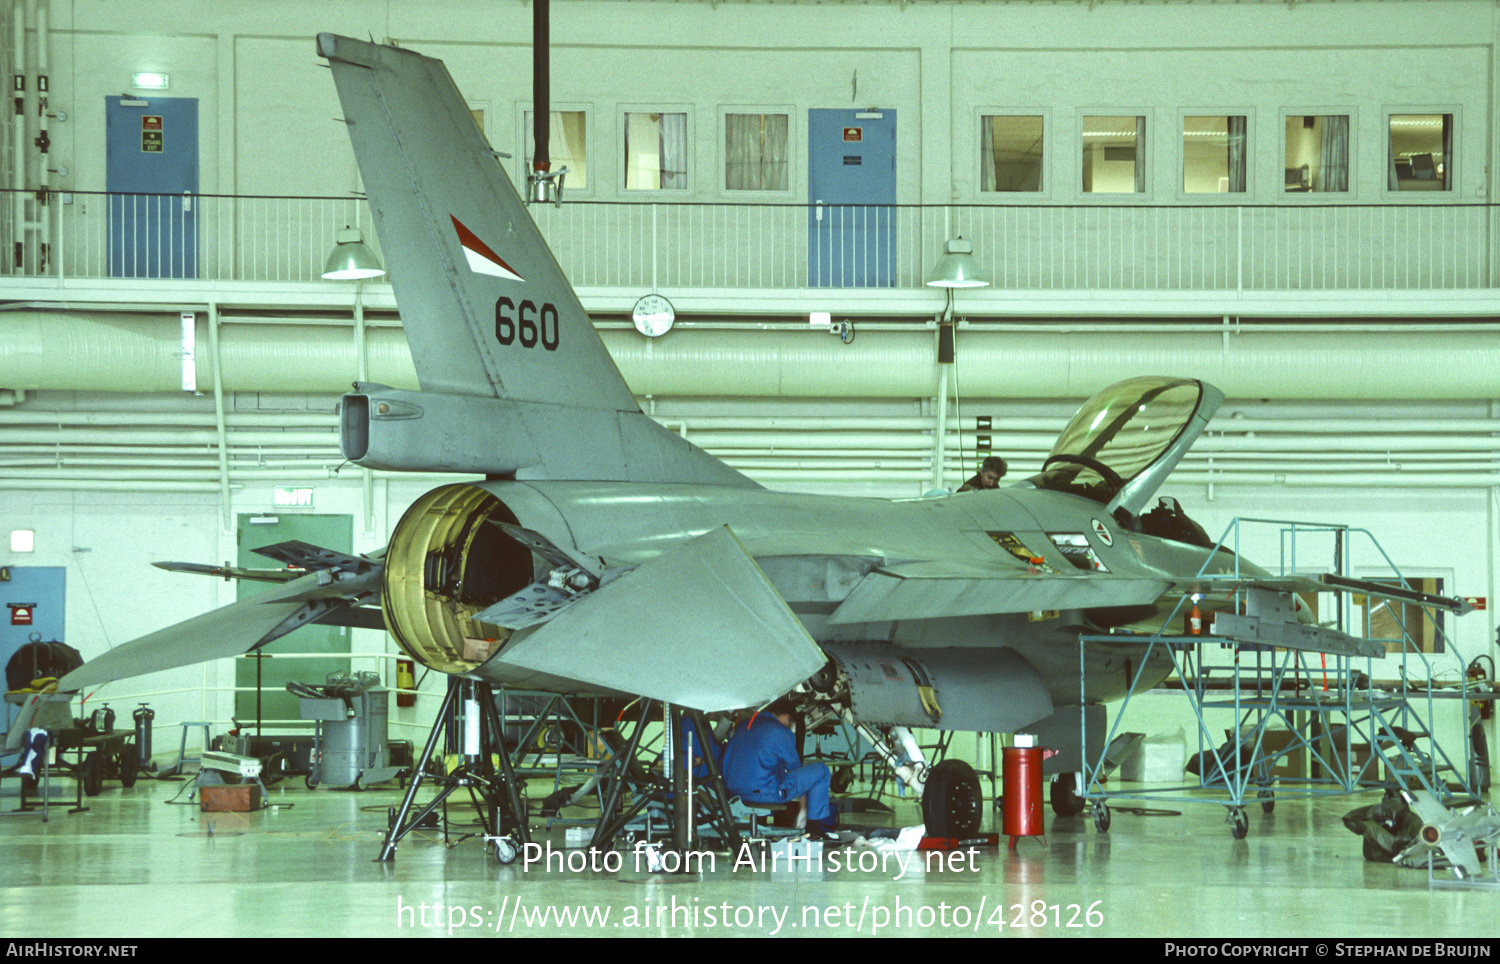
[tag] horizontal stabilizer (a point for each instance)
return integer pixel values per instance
(700, 626)
(227, 631)
(296, 554)
(934, 590)
(232, 572)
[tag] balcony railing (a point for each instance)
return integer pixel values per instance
(1205, 248)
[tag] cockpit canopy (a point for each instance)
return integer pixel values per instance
(1125, 440)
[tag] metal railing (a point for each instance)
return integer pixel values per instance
(1217, 248)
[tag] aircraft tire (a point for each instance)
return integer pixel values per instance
(1064, 796)
(952, 802)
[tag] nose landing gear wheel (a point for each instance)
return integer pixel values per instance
(952, 802)
(1064, 796)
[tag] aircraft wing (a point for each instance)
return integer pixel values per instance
(1270, 616)
(700, 626)
(230, 630)
(930, 590)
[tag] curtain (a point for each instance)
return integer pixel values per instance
(1335, 153)
(755, 152)
(565, 144)
(1447, 152)
(565, 139)
(674, 152)
(1236, 151)
(987, 154)
(1392, 181)
(1140, 155)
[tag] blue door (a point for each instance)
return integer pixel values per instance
(32, 608)
(851, 177)
(151, 172)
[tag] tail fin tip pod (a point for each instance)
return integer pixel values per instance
(492, 321)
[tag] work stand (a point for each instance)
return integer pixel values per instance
(671, 795)
(470, 727)
(1294, 721)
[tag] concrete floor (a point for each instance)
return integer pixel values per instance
(138, 864)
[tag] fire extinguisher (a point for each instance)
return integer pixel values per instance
(143, 718)
(1021, 815)
(1479, 711)
(1476, 673)
(406, 681)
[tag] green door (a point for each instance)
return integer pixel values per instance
(331, 532)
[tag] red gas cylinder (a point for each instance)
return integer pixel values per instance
(1022, 815)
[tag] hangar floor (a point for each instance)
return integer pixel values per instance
(135, 866)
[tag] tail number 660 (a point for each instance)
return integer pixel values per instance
(530, 325)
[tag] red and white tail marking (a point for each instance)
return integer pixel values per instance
(481, 259)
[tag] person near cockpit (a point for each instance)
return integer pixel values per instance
(991, 471)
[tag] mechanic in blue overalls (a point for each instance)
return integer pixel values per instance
(762, 765)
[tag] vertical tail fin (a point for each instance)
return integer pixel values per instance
(488, 313)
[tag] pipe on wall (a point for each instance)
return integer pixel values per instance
(129, 352)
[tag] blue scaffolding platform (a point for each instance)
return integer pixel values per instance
(1294, 722)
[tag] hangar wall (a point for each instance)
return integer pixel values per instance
(266, 106)
(268, 126)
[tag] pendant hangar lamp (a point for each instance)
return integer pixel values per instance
(351, 259)
(957, 267)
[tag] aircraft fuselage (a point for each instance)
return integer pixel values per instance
(816, 549)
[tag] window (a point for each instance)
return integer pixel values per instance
(656, 151)
(1113, 159)
(1010, 152)
(567, 145)
(755, 152)
(1317, 153)
(1213, 155)
(1420, 152)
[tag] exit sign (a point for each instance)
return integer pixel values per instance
(302, 498)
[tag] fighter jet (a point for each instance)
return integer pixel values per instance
(601, 553)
